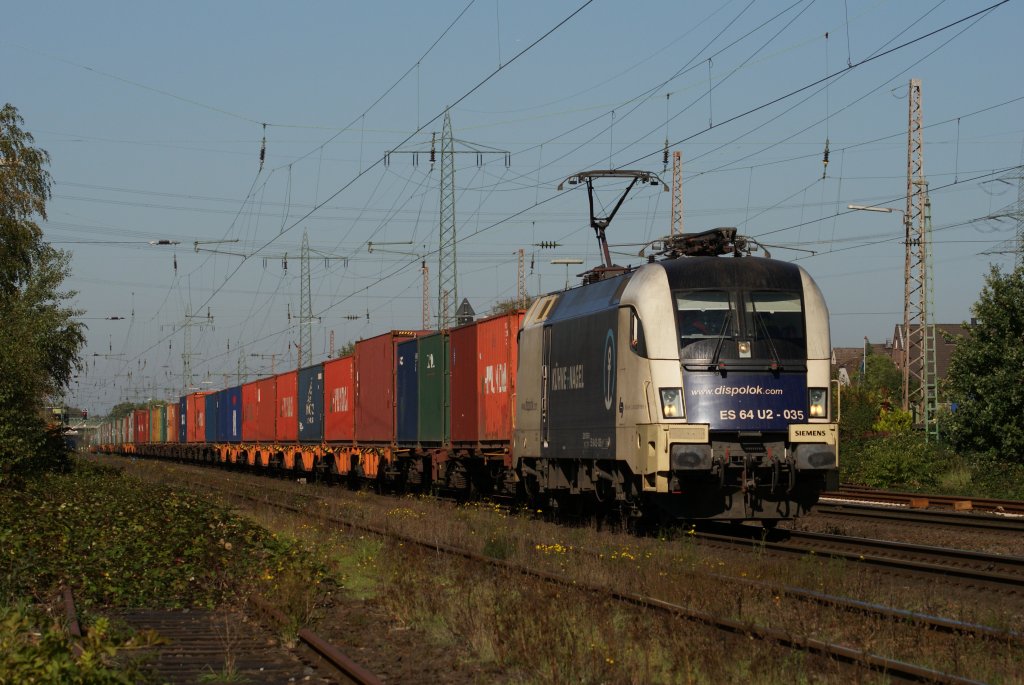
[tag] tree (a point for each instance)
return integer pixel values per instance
(511, 304)
(985, 383)
(871, 404)
(39, 339)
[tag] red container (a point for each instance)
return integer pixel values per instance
(339, 399)
(259, 410)
(465, 399)
(140, 426)
(195, 417)
(376, 360)
(483, 379)
(173, 434)
(287, 422)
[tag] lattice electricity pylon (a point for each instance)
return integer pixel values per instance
(447, 276)
(1013, 212)
(186, 355)
(916, 257)
(425, 271)
(305, 306)
(677, 193)
(931, 373)
(447, 267)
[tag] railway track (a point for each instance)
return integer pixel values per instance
(973, 569)
(930, 517)
(197, 645)
(894, 668)
(859, 493)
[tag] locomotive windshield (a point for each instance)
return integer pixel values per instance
(710, 329)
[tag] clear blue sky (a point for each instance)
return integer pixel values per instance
(153, 114)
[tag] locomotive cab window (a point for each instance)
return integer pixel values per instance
(774, 322)
(705, 318)
(749, 326)
(636, 334)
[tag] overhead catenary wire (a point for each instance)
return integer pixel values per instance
(359, 175)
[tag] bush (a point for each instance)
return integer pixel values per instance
(893, 421)
(31, 653)
(900, 460)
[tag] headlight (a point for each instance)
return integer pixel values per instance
(672, 403)
(817, 400)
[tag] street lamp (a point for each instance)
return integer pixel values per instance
(906, 298)
(567, 262)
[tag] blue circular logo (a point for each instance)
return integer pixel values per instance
(609, 370)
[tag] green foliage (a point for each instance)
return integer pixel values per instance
(903, 460)
(859, 412)
(893, 421)
(986, 372)
(868, 406)
(121, 410)
(133, 544)
(347, 349)
(32, 651)
(39, 339)
(883, 378)
(907, 462)
(510, 305)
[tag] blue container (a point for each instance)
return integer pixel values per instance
(407, 392)
(210, 416)
(311, 403)
(229, 414)
(182, 412)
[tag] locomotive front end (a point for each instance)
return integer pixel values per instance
(752, 341)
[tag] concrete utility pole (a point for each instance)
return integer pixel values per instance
(919, 383)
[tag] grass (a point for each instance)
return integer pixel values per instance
(517, 630)
(531, 632)
(118, 542)
(907, 462)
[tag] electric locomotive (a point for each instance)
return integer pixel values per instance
(696, 387)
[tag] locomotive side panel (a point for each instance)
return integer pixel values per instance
(580, 356)
(529, 380)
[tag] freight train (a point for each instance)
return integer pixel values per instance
(688, 388)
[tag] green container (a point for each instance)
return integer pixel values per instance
(434, 397)
(158, 423)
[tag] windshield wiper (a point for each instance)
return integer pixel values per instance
(721, 339)
(767, 335)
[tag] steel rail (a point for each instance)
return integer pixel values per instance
(932, 517)
(932, 622)
(889, 554)
(864, 492)
(892, 667)
(334, 656)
